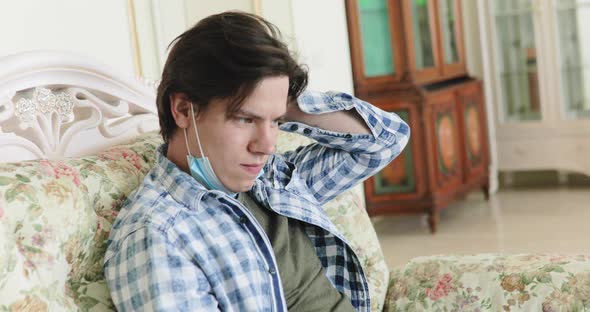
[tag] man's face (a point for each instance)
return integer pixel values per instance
(239, 145)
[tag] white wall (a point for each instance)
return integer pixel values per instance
(322, 38)
(199, 9)
(482, 56)
(471, 38)
(315, 30)
(158, 22)
(99, 29)
(280, 13)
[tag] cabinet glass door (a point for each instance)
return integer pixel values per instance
(451, 34)
(573, 25)
(422, 31)
(376, 38)
(448, 26)
(516, 48)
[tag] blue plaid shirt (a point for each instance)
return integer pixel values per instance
(176, 246)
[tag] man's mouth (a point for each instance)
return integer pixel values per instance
(252, 168)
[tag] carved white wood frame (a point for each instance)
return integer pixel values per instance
(55, 105)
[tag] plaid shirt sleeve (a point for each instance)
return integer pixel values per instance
(339, 161)
(149, 273)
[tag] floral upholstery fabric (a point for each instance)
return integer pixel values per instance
(55, 217)
(490, 282)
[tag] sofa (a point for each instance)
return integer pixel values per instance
(77, 137)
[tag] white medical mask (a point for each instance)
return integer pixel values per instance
(201, 168)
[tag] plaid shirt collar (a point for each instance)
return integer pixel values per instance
(181, 185)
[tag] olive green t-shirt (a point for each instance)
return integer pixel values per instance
(305, 284)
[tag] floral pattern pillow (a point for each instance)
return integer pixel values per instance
(55, 217)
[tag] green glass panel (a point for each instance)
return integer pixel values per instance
(517, 57)
(447, 19)
(422, 36)
(376, 38)
(388, 180)
(573, 22)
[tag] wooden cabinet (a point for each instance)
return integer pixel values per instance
(408, 57)
(404, 40)
(475, 148)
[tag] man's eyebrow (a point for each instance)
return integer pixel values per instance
(242, 112)
(247, 113)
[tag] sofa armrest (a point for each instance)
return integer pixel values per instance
(489, 282)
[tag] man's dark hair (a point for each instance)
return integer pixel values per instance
(225, 56)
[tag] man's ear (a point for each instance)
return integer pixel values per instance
(181, 110)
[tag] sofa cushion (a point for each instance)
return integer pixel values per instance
(55, 217)
(489, 282)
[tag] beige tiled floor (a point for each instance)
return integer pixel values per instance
(513, 221)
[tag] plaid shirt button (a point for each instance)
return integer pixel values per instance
(294, 127)
(307, 131)
(272, 271)
(243, 219)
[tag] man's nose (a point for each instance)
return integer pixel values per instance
(264, 140)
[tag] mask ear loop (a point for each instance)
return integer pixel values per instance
(196, 132)
(186, 142)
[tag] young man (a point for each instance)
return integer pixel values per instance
(222, 222)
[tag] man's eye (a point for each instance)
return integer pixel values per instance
(244, 120)
(279, 121)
